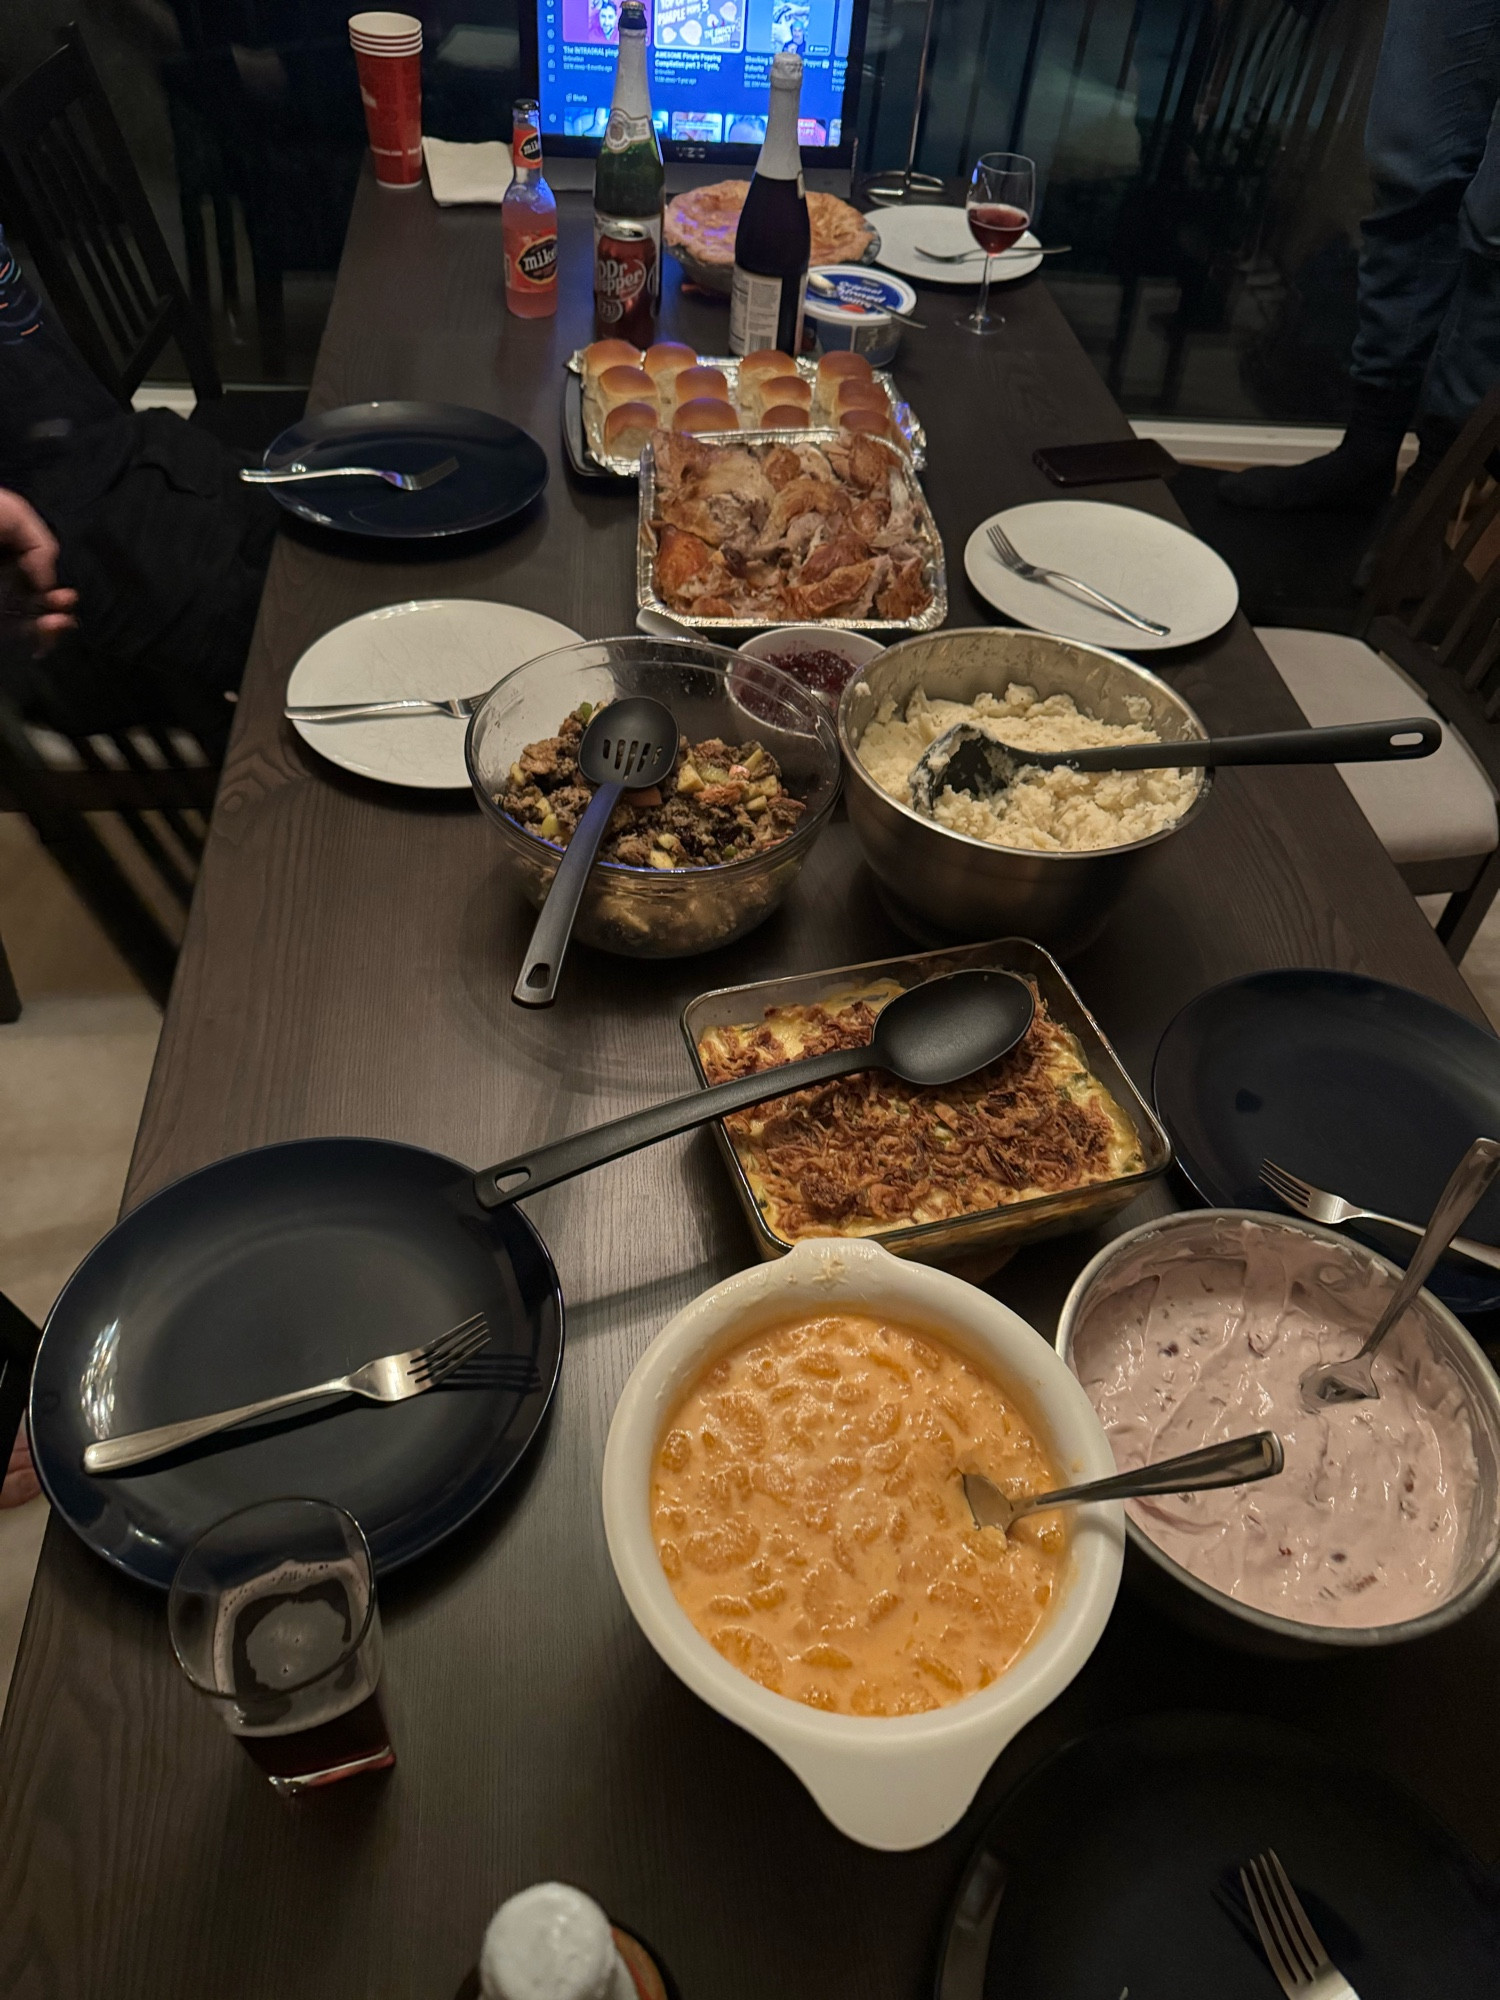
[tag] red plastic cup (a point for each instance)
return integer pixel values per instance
(388, 55)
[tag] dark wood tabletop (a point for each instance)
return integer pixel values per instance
(347, 970)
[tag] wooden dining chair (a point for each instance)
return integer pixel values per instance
(70, 189)
(125, 817)
(1428, 640)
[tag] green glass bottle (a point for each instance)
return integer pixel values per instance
(629, 188)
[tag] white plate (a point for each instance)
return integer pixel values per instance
(445, 645)
(945, 230)
(1158, 570)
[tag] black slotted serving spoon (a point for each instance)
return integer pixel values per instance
(628, 746)
(932, 1034)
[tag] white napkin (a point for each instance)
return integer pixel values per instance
(458, 173)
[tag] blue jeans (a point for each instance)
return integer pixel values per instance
(1429, 268)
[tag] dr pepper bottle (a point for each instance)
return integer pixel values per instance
(628, 195)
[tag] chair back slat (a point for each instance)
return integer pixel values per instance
(1434, 606)
(69, 211)
(101, 222)
(71, 190)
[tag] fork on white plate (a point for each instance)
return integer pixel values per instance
(1010, 558)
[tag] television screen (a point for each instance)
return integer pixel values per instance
(710, 68)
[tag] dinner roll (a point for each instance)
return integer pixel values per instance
(628, 426)
(842, 365)
(787, 388)
(668, 358)
(770, 389)
(705, 413)
(852, 395)
(693, 382)
(784, 417)
(626, 385)
(608, 354)
(666, 363)
(864, 417)
(764, 361)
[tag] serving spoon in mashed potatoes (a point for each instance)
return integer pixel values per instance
(1235, 1462)
(967, 758)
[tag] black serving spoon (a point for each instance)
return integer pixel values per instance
(627, 746)
(966, 759)
(932, 1034)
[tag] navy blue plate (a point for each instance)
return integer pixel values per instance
(270, 1270)
(501, 469)
(1368, 1090)
(1115, 1864)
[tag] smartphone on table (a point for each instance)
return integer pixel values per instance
(1100, 464)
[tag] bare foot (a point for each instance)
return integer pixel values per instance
(20, 1482)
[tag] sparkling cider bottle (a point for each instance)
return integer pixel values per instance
(774, 240)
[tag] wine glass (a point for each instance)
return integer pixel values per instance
(1002, 194)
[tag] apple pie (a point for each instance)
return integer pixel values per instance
(701, 223)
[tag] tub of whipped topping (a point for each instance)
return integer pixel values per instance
(1385, 1523)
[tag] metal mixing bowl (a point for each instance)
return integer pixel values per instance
(1210, 1611)
(941, 885)
(650, 912)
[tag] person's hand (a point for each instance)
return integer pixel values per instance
(27, 546)
(20, 1483)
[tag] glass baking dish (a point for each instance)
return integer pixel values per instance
(987, 1237)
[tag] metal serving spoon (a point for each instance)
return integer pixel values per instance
(932, 1034)
(1233, 1463)
(627, 746)
(661, 626)
(1353, 1381)
(966, 759)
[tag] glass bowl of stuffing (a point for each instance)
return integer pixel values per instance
(1053, 863)
(1054, 1137)
(699, 860)
(784, 1511)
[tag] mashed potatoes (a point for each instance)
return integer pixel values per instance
(1042, 809)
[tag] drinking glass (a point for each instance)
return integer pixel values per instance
(273, 1617)
(1001, 197)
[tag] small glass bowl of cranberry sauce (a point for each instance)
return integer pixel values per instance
(823, 658)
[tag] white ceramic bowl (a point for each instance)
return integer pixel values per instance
(902, 1781)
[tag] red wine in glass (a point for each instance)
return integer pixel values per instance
(1000, 204)
(995, 226)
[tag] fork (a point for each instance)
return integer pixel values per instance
(1014, 561)
(391, 1378)
(1332, 1210)
(408, 482)
(460, 705)
(968, 256)
(1303, 1969)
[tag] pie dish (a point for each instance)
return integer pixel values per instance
(701, 224)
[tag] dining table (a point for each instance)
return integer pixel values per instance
(347, 969)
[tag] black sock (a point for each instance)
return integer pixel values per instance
(1356, 477)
